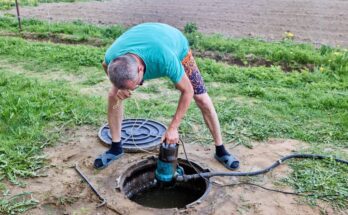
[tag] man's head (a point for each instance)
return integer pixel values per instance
(125, 72)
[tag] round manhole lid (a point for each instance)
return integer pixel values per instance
(136, 134)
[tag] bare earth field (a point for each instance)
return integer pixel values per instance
(315, 21)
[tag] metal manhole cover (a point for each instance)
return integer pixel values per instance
(136, 134)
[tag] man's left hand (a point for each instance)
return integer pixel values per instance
(171, 136)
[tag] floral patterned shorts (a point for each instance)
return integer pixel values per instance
(193, 73)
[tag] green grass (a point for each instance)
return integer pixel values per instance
(8, 4)
(308, 106)
(68, 32)
(288, 53)
(327, 180)
(253, 103)
(17, 204)
(33, 115)
(317, 96)
(45, 56)
(28, 111)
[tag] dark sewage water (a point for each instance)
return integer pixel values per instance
(167, 196)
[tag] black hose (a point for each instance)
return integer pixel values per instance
(262, 171)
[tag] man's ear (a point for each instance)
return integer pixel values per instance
(140, 68)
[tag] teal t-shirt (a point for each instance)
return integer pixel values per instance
(160, 46)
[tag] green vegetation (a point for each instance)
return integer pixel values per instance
(17, 204)
(190, 28)
(286, 53)
(289, 55)
(306, 106)
(47, 56)
(74, 32)
(28, 108)
(8, 4)
(30, 113)
(253, 103)
(327, 180)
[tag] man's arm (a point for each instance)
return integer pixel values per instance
(186, 89)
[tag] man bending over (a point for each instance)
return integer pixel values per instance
(148, 51)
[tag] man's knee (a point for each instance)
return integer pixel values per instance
(203, 101)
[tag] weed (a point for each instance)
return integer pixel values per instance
(17, 203)
(190, 28)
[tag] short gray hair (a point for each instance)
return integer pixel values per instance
(121, 69)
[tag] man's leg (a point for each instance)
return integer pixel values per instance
(206, 106)
(115, 116)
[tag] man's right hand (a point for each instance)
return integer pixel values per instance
(123, 94)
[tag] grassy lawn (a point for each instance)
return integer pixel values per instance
(307, 101)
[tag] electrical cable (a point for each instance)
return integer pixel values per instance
(207, 175)
(116, 106)
(198, 172)
(278, 191)
(262, 171)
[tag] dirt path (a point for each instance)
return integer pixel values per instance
(316, 21)
(62, 191)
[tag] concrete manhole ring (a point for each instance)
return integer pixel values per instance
(138, 184)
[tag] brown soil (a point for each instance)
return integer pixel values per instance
(316, 21)
(62, 190)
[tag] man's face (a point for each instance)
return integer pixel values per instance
(132, 85)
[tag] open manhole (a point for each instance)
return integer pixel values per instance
(138, 183)
(137, 134)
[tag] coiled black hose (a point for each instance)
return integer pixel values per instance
(262, 171)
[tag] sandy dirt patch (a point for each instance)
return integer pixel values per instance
(63, 192)
(316, 21)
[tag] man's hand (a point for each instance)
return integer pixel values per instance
(171, 136)
(123, 94)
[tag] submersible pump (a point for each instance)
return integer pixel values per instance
(167, 164)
